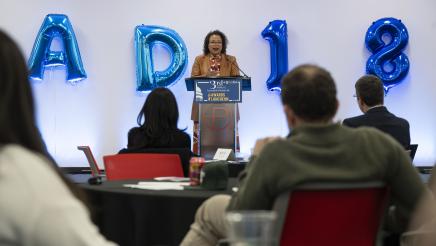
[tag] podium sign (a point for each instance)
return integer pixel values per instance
(218, 90)
(245, 81)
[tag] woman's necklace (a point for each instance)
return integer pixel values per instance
(215, 64)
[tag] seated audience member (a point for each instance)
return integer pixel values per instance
(316, 150)
(38, 206)
(370, 97)
(159, 129)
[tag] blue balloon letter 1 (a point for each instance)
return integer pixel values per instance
(387, 55)
(56, 25)
(277, 34)
(145, 38)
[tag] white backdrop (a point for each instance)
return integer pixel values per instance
(101, 109)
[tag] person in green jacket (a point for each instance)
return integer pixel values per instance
(317, 149)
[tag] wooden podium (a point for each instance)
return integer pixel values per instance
(217, 98)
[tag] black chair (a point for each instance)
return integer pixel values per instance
(412, 149)
(185, 154)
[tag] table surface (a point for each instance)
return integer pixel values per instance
(118, 187)
(147, 217)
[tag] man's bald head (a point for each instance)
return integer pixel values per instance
(310, 92)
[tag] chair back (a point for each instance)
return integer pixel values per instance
(412, 149)
(185, 154)
(336, 214)
(142, 166)
(95, 170)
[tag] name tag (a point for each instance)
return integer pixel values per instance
(224, 155)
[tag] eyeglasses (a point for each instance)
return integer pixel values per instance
(215, 42)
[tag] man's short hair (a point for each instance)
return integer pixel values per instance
(310, 92)
(369, 89)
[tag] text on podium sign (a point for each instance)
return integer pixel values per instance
(218, 91)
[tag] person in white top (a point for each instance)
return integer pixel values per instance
(38, 206)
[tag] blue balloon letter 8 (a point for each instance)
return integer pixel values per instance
(387, 55)
(145, 38)
(277, 34)
(56, 25)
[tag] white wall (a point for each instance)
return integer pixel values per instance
(100, 110)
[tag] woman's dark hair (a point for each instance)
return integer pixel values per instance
(206, 41)
(17, 113)
(17, 110)
(160, 113)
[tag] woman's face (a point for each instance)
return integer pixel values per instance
(215, 44)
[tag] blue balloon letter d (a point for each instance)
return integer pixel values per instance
(145, 38)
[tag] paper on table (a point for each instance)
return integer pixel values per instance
(171, 178)
(158, 185)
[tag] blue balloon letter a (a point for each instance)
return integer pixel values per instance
(56, 25)
(145, 38)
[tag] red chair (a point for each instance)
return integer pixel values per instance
(142, 166)
(335, 214)
(185, 154)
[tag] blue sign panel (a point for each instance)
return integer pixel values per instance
(218, 90)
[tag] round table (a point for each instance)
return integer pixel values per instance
(130, 216)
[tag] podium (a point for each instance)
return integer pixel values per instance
(217, 99)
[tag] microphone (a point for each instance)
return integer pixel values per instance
(236, 66)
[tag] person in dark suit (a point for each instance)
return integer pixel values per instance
(159, 129)
(370, 97)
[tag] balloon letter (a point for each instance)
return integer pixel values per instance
(56, 25)
(387, 55)
(145, 38)
(277, 34)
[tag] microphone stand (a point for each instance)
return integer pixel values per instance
(236, 65)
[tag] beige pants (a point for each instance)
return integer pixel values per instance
(424, 236)
(209, 225)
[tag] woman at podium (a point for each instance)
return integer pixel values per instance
(214, 62)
